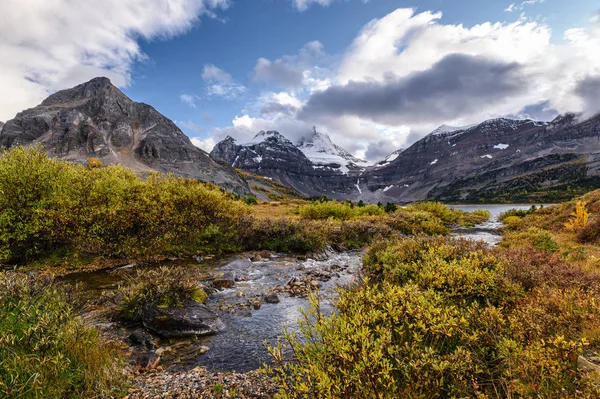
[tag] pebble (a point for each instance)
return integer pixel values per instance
(199, 383)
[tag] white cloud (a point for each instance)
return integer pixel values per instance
(205, 144)
(302, 5)
(189, 99)
(294, 71)
(49, 45)
(520, 6)
(221, 84)
(212, 73)
(404, 43)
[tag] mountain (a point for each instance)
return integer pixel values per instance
(497, 160)
(1, 125)
(323, 153)
(96, 119)
(272, 155)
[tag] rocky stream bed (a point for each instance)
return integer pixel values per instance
(214, 350)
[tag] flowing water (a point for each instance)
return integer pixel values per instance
(487, 231)
(241, 346)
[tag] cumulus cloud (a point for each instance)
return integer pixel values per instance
(221, 84)
(406, 73)
(293, 71)
(588, 90)
(456, 85)
(595, 17)
(277, 72)
(390, 52)
(189, 99)
(206, 144)
(48, 45)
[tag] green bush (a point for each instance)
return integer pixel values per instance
(48, 206)
(532, 237)
(164, 287)
(337, 210)
(518, 212)
(46, 351)
(449, 216)
(444, 318)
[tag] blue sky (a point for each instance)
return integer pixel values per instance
(221, 67)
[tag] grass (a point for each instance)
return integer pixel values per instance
(46, 351)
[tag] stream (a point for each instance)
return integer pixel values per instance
(241, 346)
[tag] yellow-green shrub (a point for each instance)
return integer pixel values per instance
(443, 318)
(532, 237)
(337, 210)
(46, 351)
(48, 205)
(164, 286)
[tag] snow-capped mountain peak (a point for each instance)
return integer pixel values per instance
(270, 135)
(444, 129)
(319, 148)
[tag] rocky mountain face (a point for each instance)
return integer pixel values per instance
(272, 155)
(1, 126)
(95, 119)
(499, 159)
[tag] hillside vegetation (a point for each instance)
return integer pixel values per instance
(58, 212)
(436, 317)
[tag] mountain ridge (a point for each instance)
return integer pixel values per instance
(467, 163)
(96, 119)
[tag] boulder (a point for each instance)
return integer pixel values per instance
(148, 361)
(192, 318)
(272, 298)
(222, 283)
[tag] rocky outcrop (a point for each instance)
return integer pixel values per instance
(192, 318)
(96, 119)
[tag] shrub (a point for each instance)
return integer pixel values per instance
(93, 163)
(532, 237)
(46, 351)
(443, 318)
(579, 218)
(520, 213)
(251, 200)
(164, 287)
(48, 205)
(590, 233)
(534, 268)
(512, 222)
(337, 210)
(461, 269)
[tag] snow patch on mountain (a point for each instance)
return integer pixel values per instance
(323, 153)
(390, 157)
(501, 146)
